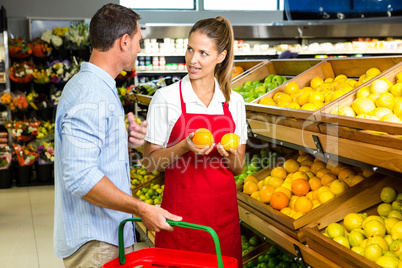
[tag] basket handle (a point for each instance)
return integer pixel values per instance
(172, 223)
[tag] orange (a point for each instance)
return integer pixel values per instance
(291, 87)
(251, 178)
(309, 174)
(326, 179)
(303, 204)
(300, 187)
(316, 82)
(317, 165)
(315, 183)
(299, 175)
(322, 172)
(230, 141)
(291, 165)
(302, 153)
(279, 200)
(266, 193)
(304, 168)
(367, 173)
(202, 138)
(337, 168)
(356, 179)
(345, 173)
(275, 181)
(284, 190)
(306, 162)
(279, 172)
(250, 187)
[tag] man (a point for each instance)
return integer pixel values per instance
(92, 183)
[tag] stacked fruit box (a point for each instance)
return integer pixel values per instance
(374, 130)
(307, 189)
(320, 237)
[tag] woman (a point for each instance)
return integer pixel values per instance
(199, 183)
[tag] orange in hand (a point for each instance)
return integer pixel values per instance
(203, 138)
(230, 140)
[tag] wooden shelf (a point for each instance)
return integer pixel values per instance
(283, 240)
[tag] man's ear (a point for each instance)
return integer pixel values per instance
(222, 56)
(124, 42)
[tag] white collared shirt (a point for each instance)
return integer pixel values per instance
(165, 110)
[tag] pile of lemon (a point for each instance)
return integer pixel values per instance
(381, 100)
(376, 237)
(319, 93)
(303, 184)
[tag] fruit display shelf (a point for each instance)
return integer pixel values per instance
(287, 224)
(364, 202)
(325, 116)
(352, 68)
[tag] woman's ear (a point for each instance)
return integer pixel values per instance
(222, 56)
(124, 42)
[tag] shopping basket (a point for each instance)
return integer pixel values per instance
(170, 258)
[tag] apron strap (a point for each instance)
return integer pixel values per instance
(183, 105)
(226, 109)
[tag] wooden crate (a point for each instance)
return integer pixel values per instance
(351, 67)
(324, 114)
(160, 179)
(365, 201)
(144, 99)
(292, 226)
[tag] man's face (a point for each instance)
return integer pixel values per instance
(133, 50)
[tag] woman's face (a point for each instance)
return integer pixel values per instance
(202, 56)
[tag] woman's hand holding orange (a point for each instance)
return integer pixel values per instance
(192, 147)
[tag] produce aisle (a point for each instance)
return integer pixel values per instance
(326, 154)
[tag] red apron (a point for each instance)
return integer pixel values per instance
(201, 190)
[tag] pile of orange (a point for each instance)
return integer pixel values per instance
(303, 183)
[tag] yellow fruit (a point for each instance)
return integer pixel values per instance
(373, 252)
(389, 262)
(380, 112)
(309, 173)
(373, 72)
(384, 209)
(284, 98)
(326, 196)
(334, 230)
(291, 87)
(368, 78)
(379, 86)
(391, 118)
(291, 165)
(396, 248)
(275, 181)
(353, 221)
(337, 94)
(346, 111)
(338, 186)
(363, 92)
(363, 105)
(374, 227)
(356, 238)
(355, 180)
(396, 231)
(379, 240)
(399, 77)
(293, 105)
(260, 184)
(256, 195)
(386, 80)
(385, 100)
(364, 244)
(322, 171)
(292, 201)
(299, 175)
(342, 240)
(317, 166)
(297, 215)
(308, 107)
(316, 82)
(304, 168)
(265, 100)
(396, 90)
(340, 77)
(388, 239)
(388, 194)
(395, 214)
(250, 187)
(316, 97)
(327, 179)
(329, 80)
(316, 204)
(303, 97)
(321, 190)
(358, 250)
(279, 172)
(284, 190)
(389, 223)
(398, 108)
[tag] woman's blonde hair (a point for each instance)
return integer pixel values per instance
(220, 30)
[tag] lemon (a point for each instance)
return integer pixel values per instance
(363, 105)
(363, 92)
(358, 250)
(374, 227)
(388, 239)
(353, 221)
(399, 77)
(340, 77)
(388, 262)
(346, 111)
(342, 240)
(380, 112)
(386, 80)
(316, 97)
(396, 90)
(316, 82)
(397, 205)
(389, 253)
(337, 94)
(338, 186)
(293, 105)
(389, 223)
(364, 244)
(379, 86)
(372, 217)
(396, 248)
(396, 231)
(356, 238)
(379, 240)
(384, 209)
(373, 97)
(291, 87)
(388, 194)
(373, 252)
(308, 107)
(385, 100)
(391, 118)
(326, 196)
(398, 108)
(373, 71)
(265, 100)
(334, 230)
(395, 214)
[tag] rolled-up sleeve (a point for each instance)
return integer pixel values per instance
(83, 132)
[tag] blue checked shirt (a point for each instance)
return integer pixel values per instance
(90, 142)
